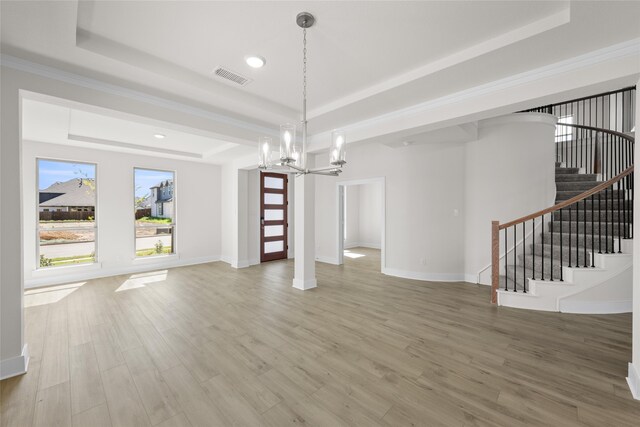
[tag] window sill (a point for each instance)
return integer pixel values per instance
(66, 269)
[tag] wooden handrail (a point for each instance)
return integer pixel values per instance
(612, 132)
(571, 201)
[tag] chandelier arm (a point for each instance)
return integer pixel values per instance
(326, 168)
(296, 168)
(327, 173)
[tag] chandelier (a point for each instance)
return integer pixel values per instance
(292, 156)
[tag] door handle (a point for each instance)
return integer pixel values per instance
(262, 221)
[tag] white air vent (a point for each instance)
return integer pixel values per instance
(231, 77)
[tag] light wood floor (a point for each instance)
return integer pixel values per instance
(209, 345)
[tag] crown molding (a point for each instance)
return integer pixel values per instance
(46, 71)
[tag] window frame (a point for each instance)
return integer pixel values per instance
(174, 222)
(566, 136)
(37, 215)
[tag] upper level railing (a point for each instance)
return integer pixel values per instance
(570, 232)
(615, 110)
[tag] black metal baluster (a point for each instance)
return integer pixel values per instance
(552, 229)
(584, 223)
(632, 194)
(606, 220)
(515, 260)
(542, 256)
(577, 234)
(533, 237)
(599, 225)
(620, 225)
(561, 240)
(570, 223)
(506, 250)
(593, 247)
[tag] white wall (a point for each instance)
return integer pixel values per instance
(352, 218)
(424, 185)
(197, 213)
(510, 172)
(370, 224)
(364, 216)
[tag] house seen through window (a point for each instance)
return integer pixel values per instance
(66, 213)
(154, 212)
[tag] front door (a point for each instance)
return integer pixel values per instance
(273, 216)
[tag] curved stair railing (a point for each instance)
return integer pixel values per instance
(593, 213)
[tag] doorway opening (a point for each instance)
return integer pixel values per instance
(273, 216)
(361, 223)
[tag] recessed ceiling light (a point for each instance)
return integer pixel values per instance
(159, 135)
(255, 61)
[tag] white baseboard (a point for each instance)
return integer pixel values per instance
(473, 278)
(595, 307)
(16, 365)
(76, 276)
(362, 245)
(634, 381)
(236, 263)
(326, 259)
(304, 285)
(243, 263)
(419, 275)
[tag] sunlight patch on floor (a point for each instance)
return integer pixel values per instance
(143, 279)
(49, 295)
(353, 255)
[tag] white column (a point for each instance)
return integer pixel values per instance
(634, 367)
(305, 252)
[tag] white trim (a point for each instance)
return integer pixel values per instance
(339, 211)
(235, 263)
(163, 263)
(474, 278)
(595, 307)
(242, 263)
(16, 365)
(481, 48)
(542, 118)
(618, 51)
(363, 245)
(304, 285)
(327, 260)
(424, 276)
(634, 381)
(20, 64)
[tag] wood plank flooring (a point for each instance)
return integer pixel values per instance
(208, 345)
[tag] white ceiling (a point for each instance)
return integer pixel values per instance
(59, 124)
(366, 59)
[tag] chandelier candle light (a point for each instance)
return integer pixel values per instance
(293, 155)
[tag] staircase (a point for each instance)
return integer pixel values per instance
(574, 256)
(590, 229)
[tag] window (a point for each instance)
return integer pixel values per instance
(154, 205)
(66, 235)
(564, 133)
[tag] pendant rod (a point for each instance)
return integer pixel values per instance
(304, 94)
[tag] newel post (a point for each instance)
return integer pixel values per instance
(495, 260)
